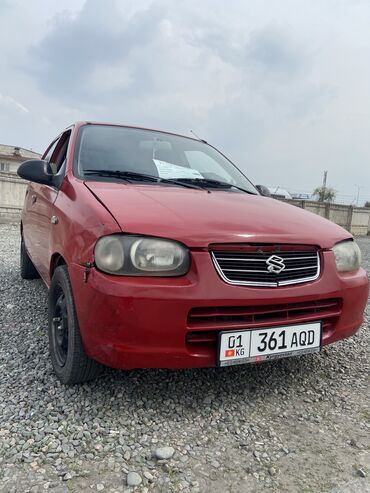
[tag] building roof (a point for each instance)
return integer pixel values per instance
(17, 153)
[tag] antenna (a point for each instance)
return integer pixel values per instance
(201, 140)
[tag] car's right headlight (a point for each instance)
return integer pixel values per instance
(133, 255)
(347, 256)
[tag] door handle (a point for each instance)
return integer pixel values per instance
(33, 198)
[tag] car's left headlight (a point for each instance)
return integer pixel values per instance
(347, 256)
(133, 255)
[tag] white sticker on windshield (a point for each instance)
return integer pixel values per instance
(169, 170)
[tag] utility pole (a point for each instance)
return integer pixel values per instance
(324, 186)
(358, 194)
(324, 180)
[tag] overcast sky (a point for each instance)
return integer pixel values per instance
(281, 86)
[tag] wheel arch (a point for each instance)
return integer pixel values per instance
(56, 260)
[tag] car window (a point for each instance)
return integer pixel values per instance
(207, 166)
(50, 150)
(59, 155)
(124, 149)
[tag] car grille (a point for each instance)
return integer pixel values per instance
(270, 266)
(205, 323)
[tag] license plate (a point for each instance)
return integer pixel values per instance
(252, 345)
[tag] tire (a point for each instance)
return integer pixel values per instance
(70, 362)
(28, 270)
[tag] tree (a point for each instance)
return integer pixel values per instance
(324, 194)
(367, 204)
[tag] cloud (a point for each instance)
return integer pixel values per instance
(4, 5)
(154, 63)
(270, 83)
(98, 38)
(164, 68)
(276, 54)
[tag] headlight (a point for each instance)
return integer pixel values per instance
(347, 256)
(109, 254)
(141, 256)
(151, 255)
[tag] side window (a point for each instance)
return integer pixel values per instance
(58, 157)
(50, 150)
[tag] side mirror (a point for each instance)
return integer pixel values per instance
(263, 190)
(36, 170)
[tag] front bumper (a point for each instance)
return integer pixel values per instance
(132, 322)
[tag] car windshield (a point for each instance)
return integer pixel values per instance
(111, 152)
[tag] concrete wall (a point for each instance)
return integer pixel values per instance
(360, 225)
(12, 193)
(354, 219)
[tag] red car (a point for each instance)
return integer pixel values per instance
(159, 253)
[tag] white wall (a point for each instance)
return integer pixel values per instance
(12, 193)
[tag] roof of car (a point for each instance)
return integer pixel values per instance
(82, 123)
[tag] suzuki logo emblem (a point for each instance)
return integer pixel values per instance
(275, 264)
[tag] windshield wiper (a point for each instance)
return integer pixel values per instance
(133, 175)
(213, 184)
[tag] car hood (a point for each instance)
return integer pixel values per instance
(198, 218)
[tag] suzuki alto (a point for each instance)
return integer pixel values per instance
(158, 252)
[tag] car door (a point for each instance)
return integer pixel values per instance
(39, 208)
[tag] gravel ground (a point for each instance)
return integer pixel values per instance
(297, 425)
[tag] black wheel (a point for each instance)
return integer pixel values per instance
(70, 362)
(28, 270)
